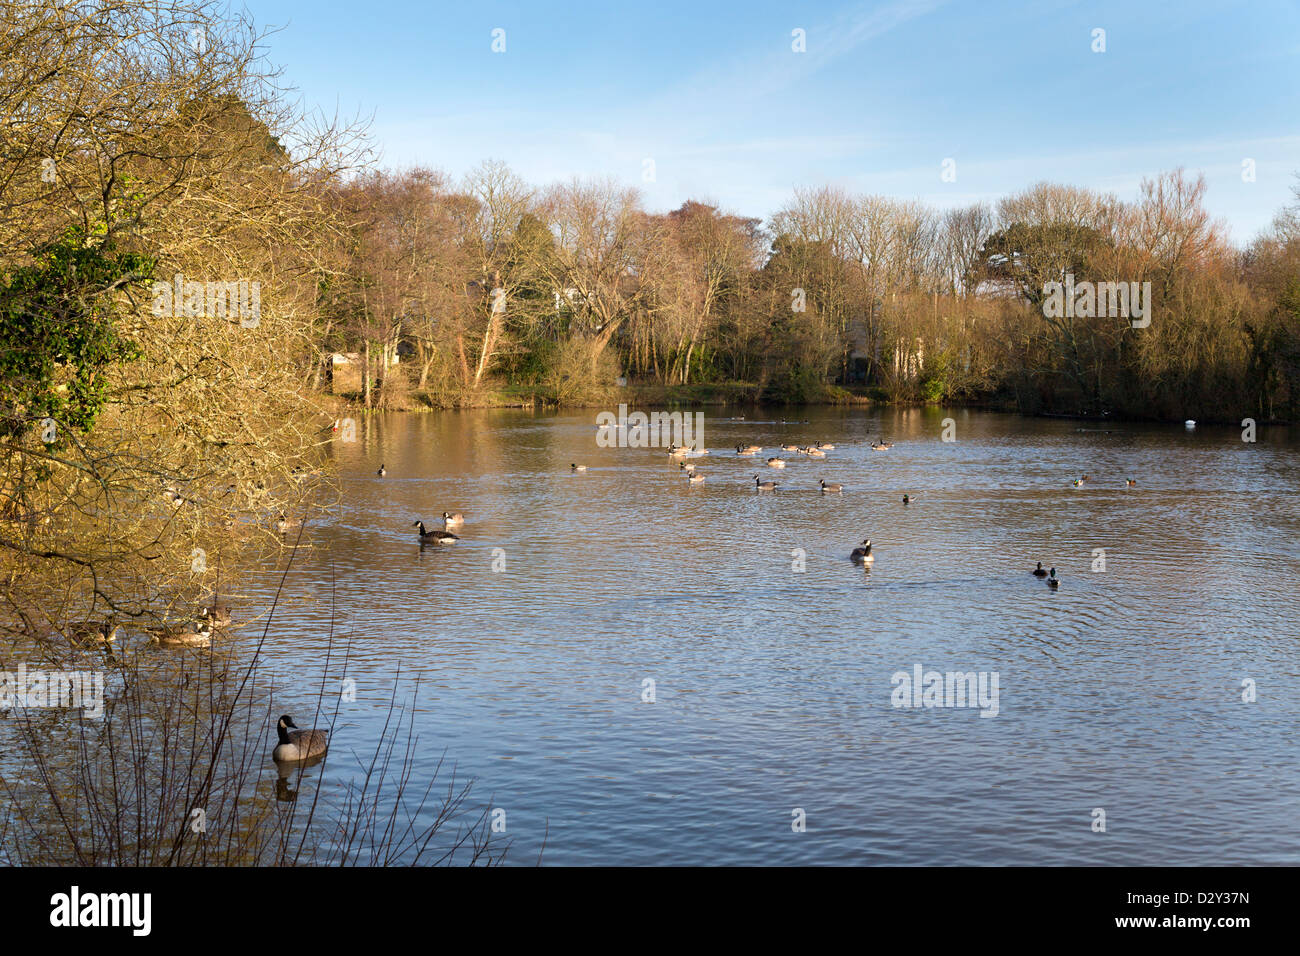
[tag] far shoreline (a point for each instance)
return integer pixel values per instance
(726, 395)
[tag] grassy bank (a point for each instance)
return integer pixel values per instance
(719, 394)
(529, 396)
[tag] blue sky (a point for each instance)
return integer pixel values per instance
(713, 93)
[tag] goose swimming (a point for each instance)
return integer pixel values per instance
(297, 744)
(862, 554)
(435, 536)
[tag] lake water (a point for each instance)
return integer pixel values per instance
(1120, 691)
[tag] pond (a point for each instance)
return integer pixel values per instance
(640, 670)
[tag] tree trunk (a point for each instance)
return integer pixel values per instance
(489, 343)
(365, 374)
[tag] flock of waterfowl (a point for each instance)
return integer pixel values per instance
(294, 746)
(862, 554)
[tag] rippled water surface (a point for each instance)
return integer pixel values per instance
(1121, 691)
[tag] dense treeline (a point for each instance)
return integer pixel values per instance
(145, 141)
(490, 280)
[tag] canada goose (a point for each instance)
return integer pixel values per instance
(764, 485)
(383, 470)
(790, 448)
(285, 525)
(694, 479)
(825, 446)
(191, 634)
(748, 449)
(450, 520)
(776, 463)
(814, 452)
(675, 451)
(1040, 571)
(298, 744)
(881, 445)
(216, 614)
(687, 467)
(862, 554)
(577, 467)
(907, 500)
(98, 632)
(435, 537)
(834, 487)
(1053, 581)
